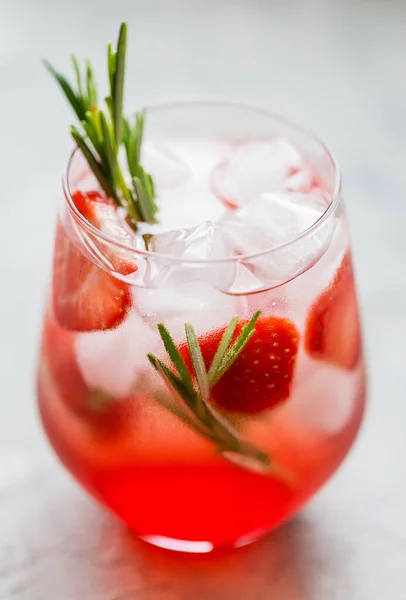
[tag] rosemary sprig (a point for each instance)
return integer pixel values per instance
(103, 133)
(191, 402)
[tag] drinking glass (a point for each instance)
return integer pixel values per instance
(253, 458)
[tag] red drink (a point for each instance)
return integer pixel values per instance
(274, 238)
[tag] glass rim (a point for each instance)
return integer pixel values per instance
(333, 198)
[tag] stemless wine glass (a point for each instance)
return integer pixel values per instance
(223, 470)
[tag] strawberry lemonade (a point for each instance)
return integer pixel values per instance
(201, 367)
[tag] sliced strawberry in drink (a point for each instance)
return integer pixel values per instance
(260, 378)
(333, 330)
(98, 408)
(102, 212)
(87, 298)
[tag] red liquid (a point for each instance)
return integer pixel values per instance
(194, 497)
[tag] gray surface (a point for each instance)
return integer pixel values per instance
(335, 66)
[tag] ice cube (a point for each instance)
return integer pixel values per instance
(271, 219)
(255, 167)
(181, 168)
(167, 168)
(322, 397)
(275, 221)
(268, 222)
(195, 302)
(112, 360)
(202, 243)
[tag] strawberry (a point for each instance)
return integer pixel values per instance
(102, 213)
(87, 298)
(261, 376)
(95, 406)
(332, 329)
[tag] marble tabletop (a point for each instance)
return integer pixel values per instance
(336, 66)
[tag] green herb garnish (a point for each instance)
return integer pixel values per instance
(190, 400)
(104, 132)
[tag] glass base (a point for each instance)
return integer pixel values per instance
(198, 547)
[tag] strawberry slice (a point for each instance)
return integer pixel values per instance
(95, 406)
(87, 298)
(102, 212)
(333, 329)
(261, 376)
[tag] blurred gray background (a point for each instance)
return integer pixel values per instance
(337, 67)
